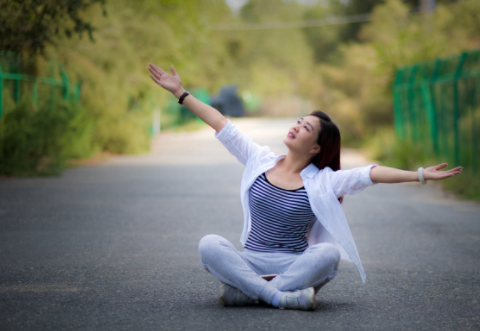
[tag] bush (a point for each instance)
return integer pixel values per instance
(388, 150)
(38, 141)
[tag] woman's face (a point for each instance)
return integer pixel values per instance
(303, 135)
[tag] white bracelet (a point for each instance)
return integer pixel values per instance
(420, 176)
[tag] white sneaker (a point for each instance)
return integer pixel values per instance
(230, 296)
(299, 299)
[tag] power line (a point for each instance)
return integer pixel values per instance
(301, 24)
(334, 20)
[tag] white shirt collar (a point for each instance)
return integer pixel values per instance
(309, 171)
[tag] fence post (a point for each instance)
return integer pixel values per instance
(1, 92)
(35, 92)
(434, 123)
(456, 114)
(397, 110)
(411, 106)
(66, 95)
(17, 90)
(76, 93)
(427, 101)
(475, 86)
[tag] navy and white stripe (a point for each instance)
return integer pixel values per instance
(280, 218)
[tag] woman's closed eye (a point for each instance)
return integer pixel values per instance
(304, 126)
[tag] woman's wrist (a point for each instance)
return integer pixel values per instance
(421, 177)
(178, 93)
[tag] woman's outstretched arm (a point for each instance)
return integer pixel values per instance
(381, 174)
(172, 83)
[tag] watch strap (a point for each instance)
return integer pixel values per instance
(183, 96)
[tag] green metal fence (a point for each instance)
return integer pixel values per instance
(437, 107)
(173, 115)
(23, 83)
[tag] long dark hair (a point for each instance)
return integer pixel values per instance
(329, 141)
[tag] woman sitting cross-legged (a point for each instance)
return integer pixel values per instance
(294, 224)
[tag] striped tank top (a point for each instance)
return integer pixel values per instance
(280, 218)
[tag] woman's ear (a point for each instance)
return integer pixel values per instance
(316, 149)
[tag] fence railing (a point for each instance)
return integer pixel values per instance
(69, 90)
(437, 107)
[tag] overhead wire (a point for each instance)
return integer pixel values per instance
(334, 20)
(300, 24)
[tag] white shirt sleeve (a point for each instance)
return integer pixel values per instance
(351, 181)
(238, 144)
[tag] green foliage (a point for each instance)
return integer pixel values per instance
(324, 41)
(350, 32)
(37, 142)
(293, 71)
(400, 38)
(357, 91)
(387, 149)
(31, 25)
(466, 186)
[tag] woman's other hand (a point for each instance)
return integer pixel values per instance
(433, 173)
(171, 83)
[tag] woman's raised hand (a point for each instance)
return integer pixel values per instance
(171, 83)
(433, 173)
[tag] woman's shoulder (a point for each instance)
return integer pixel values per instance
(313, 171)
(321, 177)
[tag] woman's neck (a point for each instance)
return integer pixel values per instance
(294, 163)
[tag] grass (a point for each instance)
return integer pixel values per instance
(100, 157)
(388, 150)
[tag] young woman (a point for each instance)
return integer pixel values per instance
(294, 226)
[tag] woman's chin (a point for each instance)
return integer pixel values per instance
(287, 141)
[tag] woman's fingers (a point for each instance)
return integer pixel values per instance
(455, 171)
(172, 69)
(165, 80)
(157, 68)
(155, 80)
(434, 172)
(441, 166)
(156, 71)
(153, 73)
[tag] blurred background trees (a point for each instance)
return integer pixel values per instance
(31, 25)
(345, 70)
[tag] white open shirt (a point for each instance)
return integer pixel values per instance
(323, 187)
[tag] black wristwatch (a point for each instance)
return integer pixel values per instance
(180, 101)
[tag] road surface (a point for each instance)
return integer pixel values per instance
(114, 247)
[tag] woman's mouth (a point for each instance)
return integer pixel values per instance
(291, 135)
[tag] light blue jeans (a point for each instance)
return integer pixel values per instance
(316, 266)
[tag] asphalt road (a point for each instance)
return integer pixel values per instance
(114, 247)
